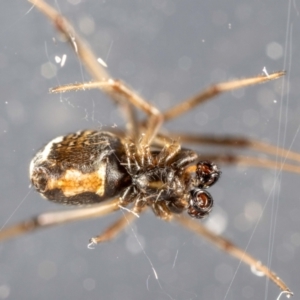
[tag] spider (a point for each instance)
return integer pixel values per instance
(137, 169)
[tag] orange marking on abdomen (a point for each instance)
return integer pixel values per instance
(74, 182)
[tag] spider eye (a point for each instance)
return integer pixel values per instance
(207, 174)
(200, 204)
(39, 179)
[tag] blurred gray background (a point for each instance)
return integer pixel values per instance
(166, 50)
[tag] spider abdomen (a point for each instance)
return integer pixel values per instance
(80, 168)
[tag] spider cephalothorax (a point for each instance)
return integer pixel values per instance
(163, 181)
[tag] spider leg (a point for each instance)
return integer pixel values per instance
(103, 80)
(231, 249)
(237, 142)
(58, 218)
(113, 230)
(252, 161)
(215, 90)
(88, 57)
(118, 91)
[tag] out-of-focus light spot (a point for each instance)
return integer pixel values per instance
(78, 266)
(230, 124)
(126, 67)
(219, 17)
(16, 112)
(184, 63)
(265, 97)
(47, 270)
(3, 61)
(201, 118)
(241, 223)
(218, 75)
(243, 12)
(89, 284)
(87, 25)
(4, 291)
(217, 221)
(166, 6)
(48, 70)
(223, 273)
(238, 94)
(135, 243)
(253, 211)
(162, 100)
(285, 252)
(250, 117)
(295, 239)
(274, 50)
(248, 292)
(270, 183)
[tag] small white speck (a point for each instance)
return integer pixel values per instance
(57, 59)
(203, 41)
(63, 60)
(175, 259)
(74, 44)
(155, 274)
(102, 62)
(256, 272)
(266, 72)
(229, 25)
(6, 102)
(275, 101)
(92, 244)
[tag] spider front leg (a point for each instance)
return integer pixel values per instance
(215, 90)
(238, 143)
(113, 88)
(228, 247)
(118, 91)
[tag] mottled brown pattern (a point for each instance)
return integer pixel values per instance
(82, 150)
